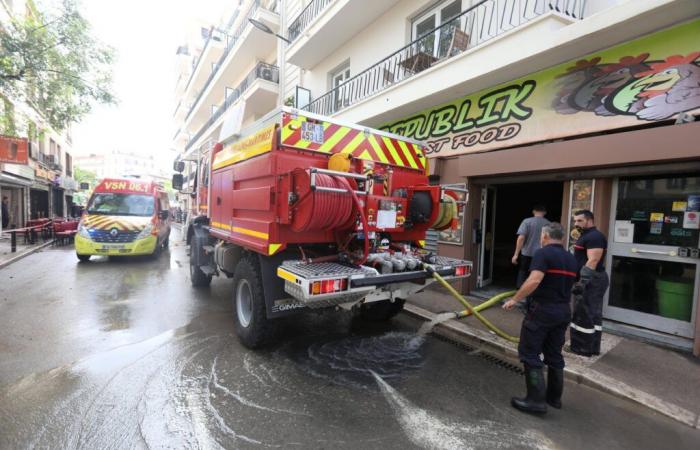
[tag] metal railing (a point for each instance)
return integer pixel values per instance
(231, 41)
(471, 28)
(261, 71)
(304, 18)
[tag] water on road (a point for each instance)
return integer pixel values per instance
(125, 354)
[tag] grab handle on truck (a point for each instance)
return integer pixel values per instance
(314, 170)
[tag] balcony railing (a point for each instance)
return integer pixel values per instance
(309, 13)
(261, 71)
(474, 26)
(231, 41)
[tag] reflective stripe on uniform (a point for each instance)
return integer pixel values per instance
(583, 330)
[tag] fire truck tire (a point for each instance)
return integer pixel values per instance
(83, 258)
(251, 323)
(197, 277)
(381, 311)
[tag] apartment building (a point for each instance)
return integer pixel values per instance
(228, 75)
(36, 170)
(572, 103)
(122, 163)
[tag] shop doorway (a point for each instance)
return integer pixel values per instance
(38, 203)
(503, 208)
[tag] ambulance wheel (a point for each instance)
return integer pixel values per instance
(251, 323)
(83, 258)
(381, 311)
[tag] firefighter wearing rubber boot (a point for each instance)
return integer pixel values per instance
(552, 275)
(589, 251)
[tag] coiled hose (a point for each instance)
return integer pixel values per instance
(330, 209)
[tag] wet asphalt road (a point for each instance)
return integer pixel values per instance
(125, 354)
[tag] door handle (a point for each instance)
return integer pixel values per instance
(654, 252)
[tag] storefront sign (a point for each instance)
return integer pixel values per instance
(20, 170)
(43, 173)
(653, 78)
(14, 150)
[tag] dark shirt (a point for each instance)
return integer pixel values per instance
(590, 238)
(559, 268)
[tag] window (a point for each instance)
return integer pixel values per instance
(436, 42)
(341, 95)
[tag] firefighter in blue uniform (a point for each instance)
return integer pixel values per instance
(552, 275)
(589, 251)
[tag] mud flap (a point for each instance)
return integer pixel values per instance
(277, 302)
(200, 239)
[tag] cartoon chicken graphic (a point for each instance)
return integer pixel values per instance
(591, 96)
(668, 88)
(581, 73)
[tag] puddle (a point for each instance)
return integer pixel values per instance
(349, 360)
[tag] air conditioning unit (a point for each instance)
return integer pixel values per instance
(266, 73)
(48, 159)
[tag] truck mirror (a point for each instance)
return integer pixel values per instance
(179, 166)
(178, 180)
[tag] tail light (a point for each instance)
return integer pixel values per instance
(461, 271)
(328, 286)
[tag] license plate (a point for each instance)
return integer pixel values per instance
(113, 247)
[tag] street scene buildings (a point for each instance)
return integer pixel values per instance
(381, 224)
(36, 167)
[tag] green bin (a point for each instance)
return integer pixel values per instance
(675, 298)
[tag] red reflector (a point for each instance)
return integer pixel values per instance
(460, 271)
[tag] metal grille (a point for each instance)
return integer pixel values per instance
(312, 10)
(104, 236)
(326, 270)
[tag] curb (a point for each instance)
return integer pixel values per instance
(500, 348)
(27, 253)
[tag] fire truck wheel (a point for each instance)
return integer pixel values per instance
(197, 277)
(83, 258)
(381, 311)
(252, 326)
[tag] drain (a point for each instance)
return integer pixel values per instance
(495, 360)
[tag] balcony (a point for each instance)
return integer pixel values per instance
(259, 89)
(470, 29)
(244, 46)
(213, 47)
(325, 25)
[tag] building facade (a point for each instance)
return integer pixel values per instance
(36, 168)
(118, 163)
(574, 104)
(227, 78)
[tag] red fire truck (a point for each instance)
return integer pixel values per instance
(304, 211)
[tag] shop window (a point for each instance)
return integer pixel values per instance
(658, 211)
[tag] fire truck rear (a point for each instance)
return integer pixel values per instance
(305, 212)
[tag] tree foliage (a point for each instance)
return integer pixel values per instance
(51, 60)
(85, 176)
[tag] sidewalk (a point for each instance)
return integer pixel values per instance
(664, 380)
(7, 257)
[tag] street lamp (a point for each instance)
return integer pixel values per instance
(265, 29)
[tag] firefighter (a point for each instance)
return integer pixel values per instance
(589, 250)
(552, 275)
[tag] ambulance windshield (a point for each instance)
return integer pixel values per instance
(121, 204)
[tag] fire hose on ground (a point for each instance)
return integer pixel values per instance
(471, 310)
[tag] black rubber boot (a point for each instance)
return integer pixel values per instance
(534, 402)
(555, 387)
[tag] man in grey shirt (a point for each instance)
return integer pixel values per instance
(528, 242)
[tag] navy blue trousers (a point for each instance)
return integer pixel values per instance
(543, 333)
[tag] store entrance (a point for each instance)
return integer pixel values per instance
(504, 206)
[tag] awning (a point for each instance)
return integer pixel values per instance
(8, 178)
